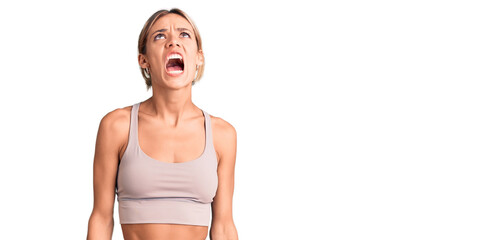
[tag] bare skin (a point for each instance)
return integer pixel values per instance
(170, 129)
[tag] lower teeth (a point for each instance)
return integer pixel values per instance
(176, 71)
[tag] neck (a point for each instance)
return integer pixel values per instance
(171, 105)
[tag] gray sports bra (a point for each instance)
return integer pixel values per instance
(152, 191)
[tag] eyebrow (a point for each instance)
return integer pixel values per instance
(164, 30)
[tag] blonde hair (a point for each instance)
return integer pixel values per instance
(142, 41)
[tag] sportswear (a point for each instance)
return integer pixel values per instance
(153, 191)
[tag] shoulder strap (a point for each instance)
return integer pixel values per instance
(208, 131)
(133, 127)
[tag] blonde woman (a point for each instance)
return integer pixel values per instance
(170, 163)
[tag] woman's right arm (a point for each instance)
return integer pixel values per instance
(106, 159)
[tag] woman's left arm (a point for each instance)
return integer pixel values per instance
(222, 223)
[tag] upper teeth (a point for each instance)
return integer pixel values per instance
(174, 56)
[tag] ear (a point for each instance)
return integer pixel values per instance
(142, 60)
(200, 57)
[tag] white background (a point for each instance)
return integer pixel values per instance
(355, 119)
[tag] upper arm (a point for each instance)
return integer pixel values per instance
(106, 160)
(225, 146)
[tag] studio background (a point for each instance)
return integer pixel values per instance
(355, 119)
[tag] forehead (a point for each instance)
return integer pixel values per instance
(171, 20)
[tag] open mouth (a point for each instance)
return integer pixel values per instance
(174, 65)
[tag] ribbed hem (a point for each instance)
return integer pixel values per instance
(164, 211)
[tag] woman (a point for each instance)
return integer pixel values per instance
(168, 160)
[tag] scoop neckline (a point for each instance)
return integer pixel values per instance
(170, 163)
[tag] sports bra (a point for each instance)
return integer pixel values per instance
(153, 191)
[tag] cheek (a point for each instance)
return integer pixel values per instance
(191, 48)
(191, 61)
(154, 56)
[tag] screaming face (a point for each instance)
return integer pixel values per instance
(172, 52)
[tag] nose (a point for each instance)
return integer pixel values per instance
(172, 42)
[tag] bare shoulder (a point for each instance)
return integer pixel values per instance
(224, 138)
(116, 120)
(115, 124)
(223, 131)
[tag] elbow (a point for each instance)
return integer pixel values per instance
(100, 227)
(223, 231)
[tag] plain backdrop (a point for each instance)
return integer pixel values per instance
(355, 119)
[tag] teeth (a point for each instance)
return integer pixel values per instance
(176, 71)
(174, 56)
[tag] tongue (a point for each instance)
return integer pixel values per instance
(174, 68)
